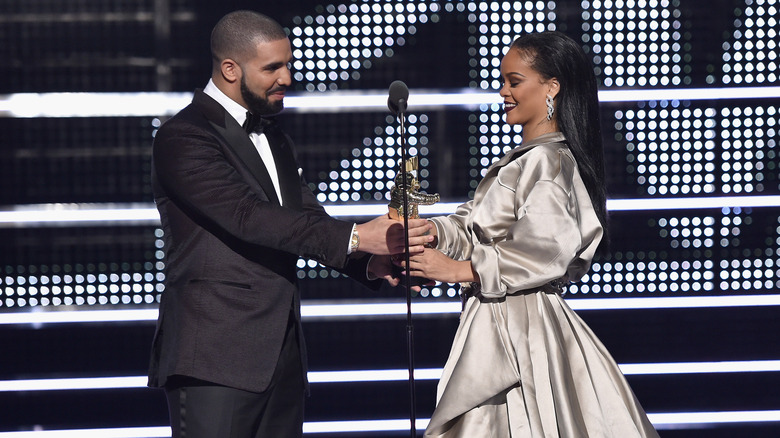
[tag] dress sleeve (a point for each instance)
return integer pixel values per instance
(454, 234)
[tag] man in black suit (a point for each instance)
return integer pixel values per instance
(236, 215)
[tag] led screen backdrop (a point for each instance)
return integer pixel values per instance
(659, 146)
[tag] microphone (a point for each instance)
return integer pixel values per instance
(399, 94)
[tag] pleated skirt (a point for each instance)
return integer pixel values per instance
(527, 366)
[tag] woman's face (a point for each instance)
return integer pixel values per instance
(524, 91)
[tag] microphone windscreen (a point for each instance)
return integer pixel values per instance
(398, 91)
(399, 94)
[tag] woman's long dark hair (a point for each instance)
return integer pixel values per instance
(554, 55)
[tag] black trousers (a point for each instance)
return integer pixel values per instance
(200, 409)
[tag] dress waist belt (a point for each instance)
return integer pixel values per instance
(557, 286)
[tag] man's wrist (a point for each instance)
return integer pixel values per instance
(354, 240)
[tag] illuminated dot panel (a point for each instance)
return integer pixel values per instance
(750, 55)
(673, 148)
(333, 47)
(368, 174)
(670, 148)
(748, 148)
(636, 44)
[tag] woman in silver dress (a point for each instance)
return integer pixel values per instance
(522, 363)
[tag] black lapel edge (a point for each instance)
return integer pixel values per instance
(239, 142)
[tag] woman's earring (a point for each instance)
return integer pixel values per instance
(550, 107)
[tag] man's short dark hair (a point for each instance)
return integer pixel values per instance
(238, 33)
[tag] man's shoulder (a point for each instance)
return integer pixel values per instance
(191, 116)
(200, 110)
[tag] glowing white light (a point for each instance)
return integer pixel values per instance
(66, 317)
(127, 432)
(160, 104)
(691, 419)
(674, 302)
(146, 214)
(390, 375)
(661, 421)
(747, 366)
(692, 203)
(73, 384)
(362, 426)
(373, 375)
(77, 214)
(357, 309)
(92, 104)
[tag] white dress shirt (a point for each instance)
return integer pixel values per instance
(259, 140)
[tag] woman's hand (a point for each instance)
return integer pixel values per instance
(434, 265)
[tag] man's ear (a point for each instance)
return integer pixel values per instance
(230, 70)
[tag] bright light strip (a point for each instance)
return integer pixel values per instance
(37, 317)
(372, 210)
(693, 203)
(373, 375)
(692, 419)
(92, 104)
(73, 384)
(392, 375)
(362, 426)
(352, 310)
(79, 214)
(736, 366)
(672, 94)
(661, 421)
(420, 100)
(146, 214)
(640, 303)
(124, 432)
(137, 382)
(152, 104)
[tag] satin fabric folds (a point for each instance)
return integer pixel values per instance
(528, 366)
(522, 363)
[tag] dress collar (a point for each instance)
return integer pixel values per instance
(552, 137)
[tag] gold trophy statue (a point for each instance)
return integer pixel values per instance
(406, 183)
(414, 196)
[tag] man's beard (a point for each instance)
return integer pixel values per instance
(258, 105)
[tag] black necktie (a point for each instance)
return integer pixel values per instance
(254, 123)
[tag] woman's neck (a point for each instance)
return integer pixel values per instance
(531, 131)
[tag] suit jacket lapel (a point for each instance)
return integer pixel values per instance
(286, 167)
(237, 140)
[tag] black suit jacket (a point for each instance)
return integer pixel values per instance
(231, 248)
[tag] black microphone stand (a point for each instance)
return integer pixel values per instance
(407, 278)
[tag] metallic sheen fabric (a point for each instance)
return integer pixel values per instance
(522, 363)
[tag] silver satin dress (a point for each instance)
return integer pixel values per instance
(522, 363)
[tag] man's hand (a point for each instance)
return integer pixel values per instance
(385, 236)
(382, 267)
